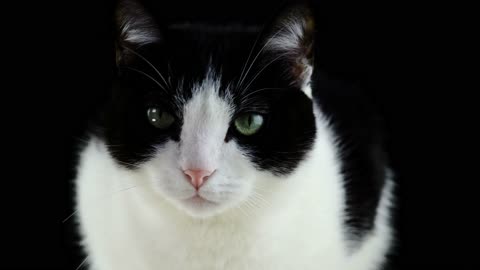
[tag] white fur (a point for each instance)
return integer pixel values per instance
(287, 41)
(289, 36)
(306, 85)
(139, 219)
(136, 26)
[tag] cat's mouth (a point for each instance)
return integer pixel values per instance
(199, 200)
(199, 206)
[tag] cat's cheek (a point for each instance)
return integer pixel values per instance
(232, 185)
(164, 176)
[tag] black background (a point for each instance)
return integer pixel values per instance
(58, 63)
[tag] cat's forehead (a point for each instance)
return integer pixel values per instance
(194, 50)
(192, 57)
(211, 35)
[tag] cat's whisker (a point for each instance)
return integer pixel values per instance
(256, 57)
(148, 62)
(253, 105)
(250, 54)
(170, 73)
(148, 76)
(84, 262)
(107, 196)
(255, 203)
(261, 199)
(87, 141)
(259, 90)
(251, 208)
(69, 217)
(258, 194)
(261, 189)
(261, 70)
(261, 202)
(242, 211)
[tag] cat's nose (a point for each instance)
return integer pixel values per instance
(197, 177)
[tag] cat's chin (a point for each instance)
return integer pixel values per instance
(199, 201)
(200, 207)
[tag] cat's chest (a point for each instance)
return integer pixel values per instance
(174, 246)
(299, 227)
(134, 237)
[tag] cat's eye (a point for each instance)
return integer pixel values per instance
(159, 118)
(249, 123)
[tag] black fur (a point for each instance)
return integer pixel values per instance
(358, 129)
(186, 52)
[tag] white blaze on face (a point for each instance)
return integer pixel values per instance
(177, 169)
(205, 125)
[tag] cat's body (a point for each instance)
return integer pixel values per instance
(301, 226)
(301, 198)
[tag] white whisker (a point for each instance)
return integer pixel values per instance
(264, 67)
(249, 55)
(102, 199)
(150, 77)
(258, 54)
(243, 211)
(257, 91)
(148, 62)
(83, 263)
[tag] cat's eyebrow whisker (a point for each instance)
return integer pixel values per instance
(257, 91)
(261, 70)
(251, 51)
(258, 54)
(148, 76)
(148, 62)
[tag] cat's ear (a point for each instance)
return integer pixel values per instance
(291, 37)
(135, 27)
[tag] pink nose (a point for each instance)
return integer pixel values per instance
(197, 177)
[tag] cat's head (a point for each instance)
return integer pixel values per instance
(211, 112)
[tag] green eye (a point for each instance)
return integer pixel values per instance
(248, 124)
(159, 119)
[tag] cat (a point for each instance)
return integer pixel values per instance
(225, 147)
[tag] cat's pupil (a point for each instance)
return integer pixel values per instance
(249, 124)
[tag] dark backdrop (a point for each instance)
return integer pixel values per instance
(59, 62)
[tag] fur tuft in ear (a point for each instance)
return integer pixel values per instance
(135, 27)
(292, 36)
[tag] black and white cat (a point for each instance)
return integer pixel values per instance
(224, 147)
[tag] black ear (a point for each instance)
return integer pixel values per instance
(291, 37)
(135, 27)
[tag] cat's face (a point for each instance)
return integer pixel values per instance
(204, 116)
